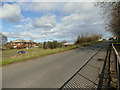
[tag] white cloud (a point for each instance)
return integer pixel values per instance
(11, 34)
(29, 35)
(61, 7)
(25, 26)
(11, 12)
(45, 22)
(46, 6)
(4, 33)
(11, 29)
(78, 7)
(28, 20)
(0, 26)
(18, 26)
(22, 35)
(75, 19)
(41, 6)
(80, 17)
(30, 5)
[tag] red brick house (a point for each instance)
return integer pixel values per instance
(30, 43)
(19, 43)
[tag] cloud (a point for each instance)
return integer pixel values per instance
(10, 29)
(78, 17)
(75, 19)
(11, 12)
(11, 34)
(78, 7)
(0, 26)
(28, 20)
(41, 6)
(30, 5)
(23, 26)
(22, 35)
(46, 6)
(61, 7)
(79, 23)
(18, 26)
(45, 22)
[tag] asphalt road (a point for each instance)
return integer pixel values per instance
(51, 71)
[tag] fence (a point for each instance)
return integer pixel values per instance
(117, 64)
(105, 76)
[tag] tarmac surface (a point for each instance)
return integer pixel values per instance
(77, 68)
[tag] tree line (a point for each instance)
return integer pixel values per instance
(52, 44)
(86, 38)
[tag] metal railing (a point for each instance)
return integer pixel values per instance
(117, 64)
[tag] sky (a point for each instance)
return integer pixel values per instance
(47, 21)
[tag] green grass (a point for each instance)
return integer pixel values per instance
(117, 41)
(11, 56)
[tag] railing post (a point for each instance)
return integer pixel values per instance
(117, 64)
(118, 75)
(115, 60)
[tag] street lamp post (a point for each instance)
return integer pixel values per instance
(28, 36)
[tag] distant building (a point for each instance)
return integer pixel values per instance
(100, 39)
(68, 44)
(113, 38)
(19, 43)
(30, 43)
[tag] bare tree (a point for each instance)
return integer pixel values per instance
(3, 39)
(111, 11)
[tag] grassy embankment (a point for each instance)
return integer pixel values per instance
(12, 55)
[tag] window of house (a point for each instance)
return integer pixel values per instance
(11, 43)
(18, 43)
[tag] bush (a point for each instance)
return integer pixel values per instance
(51, 45)
(60, 45)
(45, 45)
(11, 47)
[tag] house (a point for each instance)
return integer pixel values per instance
(68, 44)
(19, 43)
(100, 39)
(113, 38)
(30, 43)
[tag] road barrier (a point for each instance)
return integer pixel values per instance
(117, 64)
(105, 76)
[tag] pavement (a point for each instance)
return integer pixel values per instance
(55, 71)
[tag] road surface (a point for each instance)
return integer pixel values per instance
(53, 71)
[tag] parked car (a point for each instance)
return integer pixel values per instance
(20, 52)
